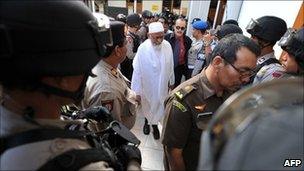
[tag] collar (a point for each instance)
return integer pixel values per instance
(197, 42)
(180, 39)
(114, 71)
(207, 87)
(265, 57)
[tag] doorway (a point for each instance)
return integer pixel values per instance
(216, 12)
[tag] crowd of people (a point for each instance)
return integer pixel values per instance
(139, 64)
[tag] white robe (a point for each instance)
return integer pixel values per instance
(153, 73)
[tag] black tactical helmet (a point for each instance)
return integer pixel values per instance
(147, 14)
(121, 17)
(49, 38)
(133, 20)
(268, 28)
(293, 43)
(231, 21)
(226, 29)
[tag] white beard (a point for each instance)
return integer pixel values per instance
(157, 47)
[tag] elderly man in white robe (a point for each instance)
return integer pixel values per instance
(153, 76)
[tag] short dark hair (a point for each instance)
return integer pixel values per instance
(118, 36)
(165, 19)
(111, 48)
(231, 44)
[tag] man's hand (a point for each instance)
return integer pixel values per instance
(175, 158)
(129, 156)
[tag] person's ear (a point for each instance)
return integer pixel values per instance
(285, 56)
(117, 51)
(218, 62)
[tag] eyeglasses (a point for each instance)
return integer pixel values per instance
(180, 28)
(244, 73)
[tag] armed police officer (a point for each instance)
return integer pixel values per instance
(293, 58)
(52, 47)
(110, 88)
(196, 54)
(146, 20)
(191, 105)
(133, 42)
(266, 31)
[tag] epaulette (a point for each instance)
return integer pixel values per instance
(182, 93)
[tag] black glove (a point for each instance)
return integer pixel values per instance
(98, 114)
(126, 153)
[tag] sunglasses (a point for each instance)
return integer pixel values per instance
(180, 28)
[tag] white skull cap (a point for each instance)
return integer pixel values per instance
(156, 27)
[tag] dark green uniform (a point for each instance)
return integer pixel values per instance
(191, 102)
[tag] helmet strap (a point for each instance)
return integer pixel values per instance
(263, 44)
(76, 95)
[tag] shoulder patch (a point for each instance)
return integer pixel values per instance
(184, 92)
(277, 74)
(180, 106)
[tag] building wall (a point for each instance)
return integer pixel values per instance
(184, 9)
(153, 6)
(287, 10)
(117, 3)
(197, 9)
(232, 10)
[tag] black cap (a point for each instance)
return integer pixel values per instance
(147, 14)
(133, 20)
(231, 21)
(227, 29)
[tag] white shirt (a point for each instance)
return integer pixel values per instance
(153, 73)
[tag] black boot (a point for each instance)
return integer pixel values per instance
(146, 127)
(155, 132)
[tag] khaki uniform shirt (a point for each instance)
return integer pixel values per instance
(32, 156)
(111, 90)
(268, 72)
(190, 106)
